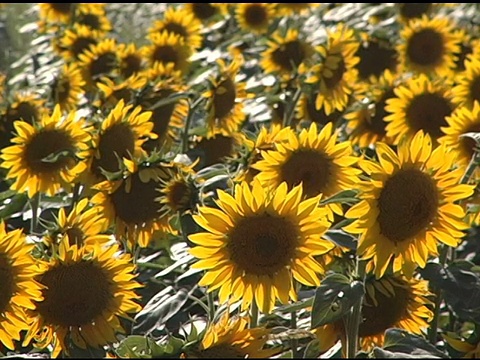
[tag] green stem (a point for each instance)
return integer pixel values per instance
(191, 109)
(34, 203)
(294, 342)
(355, 316)
(291, 110)
(254, 314)
(211, 306)
(432, 330)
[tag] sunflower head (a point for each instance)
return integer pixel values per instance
(206, 12)
(57, 12)
(76, 41)
(93, 16)
(467, 90)
(260, 239)
(409, 11)
(67, 87)
(255, 17)
(376, 56)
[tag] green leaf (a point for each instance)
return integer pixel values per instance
(379, 353)
(346, 196)
(16, 205)
(313, 350)
(399, 340)
(334, 298)
(296, 306)
(341, 238)
(138, 346)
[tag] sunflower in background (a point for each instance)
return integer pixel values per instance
(18, 289)
(469, 47)
(314, 160)
(111, 91)
(467, 90)
(56, 12)
(292, 9)
(429, 46)
(230, 338)
(306, 111)
(67, 87)
(420, 103)
(285, 53)
(130, 60)
(408, 206)
(94, 17)
(335, 77)
(225, 98)
(257, 242)
(180, 22)
(75, 41)
(207, 12)
(255, 17)
(48, 156)
(86, 291)
(410, 11)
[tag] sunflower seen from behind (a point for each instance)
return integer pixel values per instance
(86, 291)
(48, 156)
(257, 242)
(18, 289)
(313, 159)
(408, 206)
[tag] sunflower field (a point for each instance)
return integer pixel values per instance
(253, 180)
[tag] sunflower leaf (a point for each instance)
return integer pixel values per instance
(334, 298)
(137, 346)
(341, 238)
(401, 341)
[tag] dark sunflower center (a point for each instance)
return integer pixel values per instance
(215, 149)
(465, 50)
(90, 20)
(76, 294)
(49, 151)
(6, 282)
(138, 206)
(104, 64)
(376, 123)
(474, 89)
(203, 11)
(25, 111)
(375, 59)
(62, 8)
(130, 65)
(224, 98)
(426, 47)
(427, 112)
(165, 54)
(310, 167)
(407, 204)
(178, 196)
(75, 236)
(467, 144)
(262, 244)
(176, 28)
(255, 15)
(388, 312)
(319, 116)
(289, 55)
(414, 10)
(332, 82)
(81, 44)
(117, 142)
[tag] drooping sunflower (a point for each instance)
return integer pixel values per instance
(314, 160)
(230, 338)
(121, 135)
(84, 226)
(47, 156)
(467, 90)
(167, 47)
(336, 75)
(408, 206)
(180, 22)
(463, 120)
(67, 87)
(255, 17)
(419, 104)
(429, 46)
(86, 291)
(285, 53)
(226, 97)
(366, 123)
(98, 61)
(75, 41)
(257, 241)
(18, 289)
(206, 12)
(130, 204)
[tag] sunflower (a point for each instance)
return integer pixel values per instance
(99, 60)
(76, 41)
(366, 123)
(469, 47)
(419, 104)
(18, 289)
(429, 46)
(48, 156)
(56, 12)
(226, 98)
(230, 338)
(259, 240)
(409, 11)
(67, 87)
(285, 53)
(180, 22)
(121, 135)
(306, 111)
(111, 91)
(86, 291)
(463, 120)
(131, 61)
(469, 349)
(93, 16)
(290, 9)
(130, 204)
(314, 160)
(467, 90)
(336, 75)
(167, 48)
(83, 227)
(206, 12)
(408, 205)
(255, 17)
